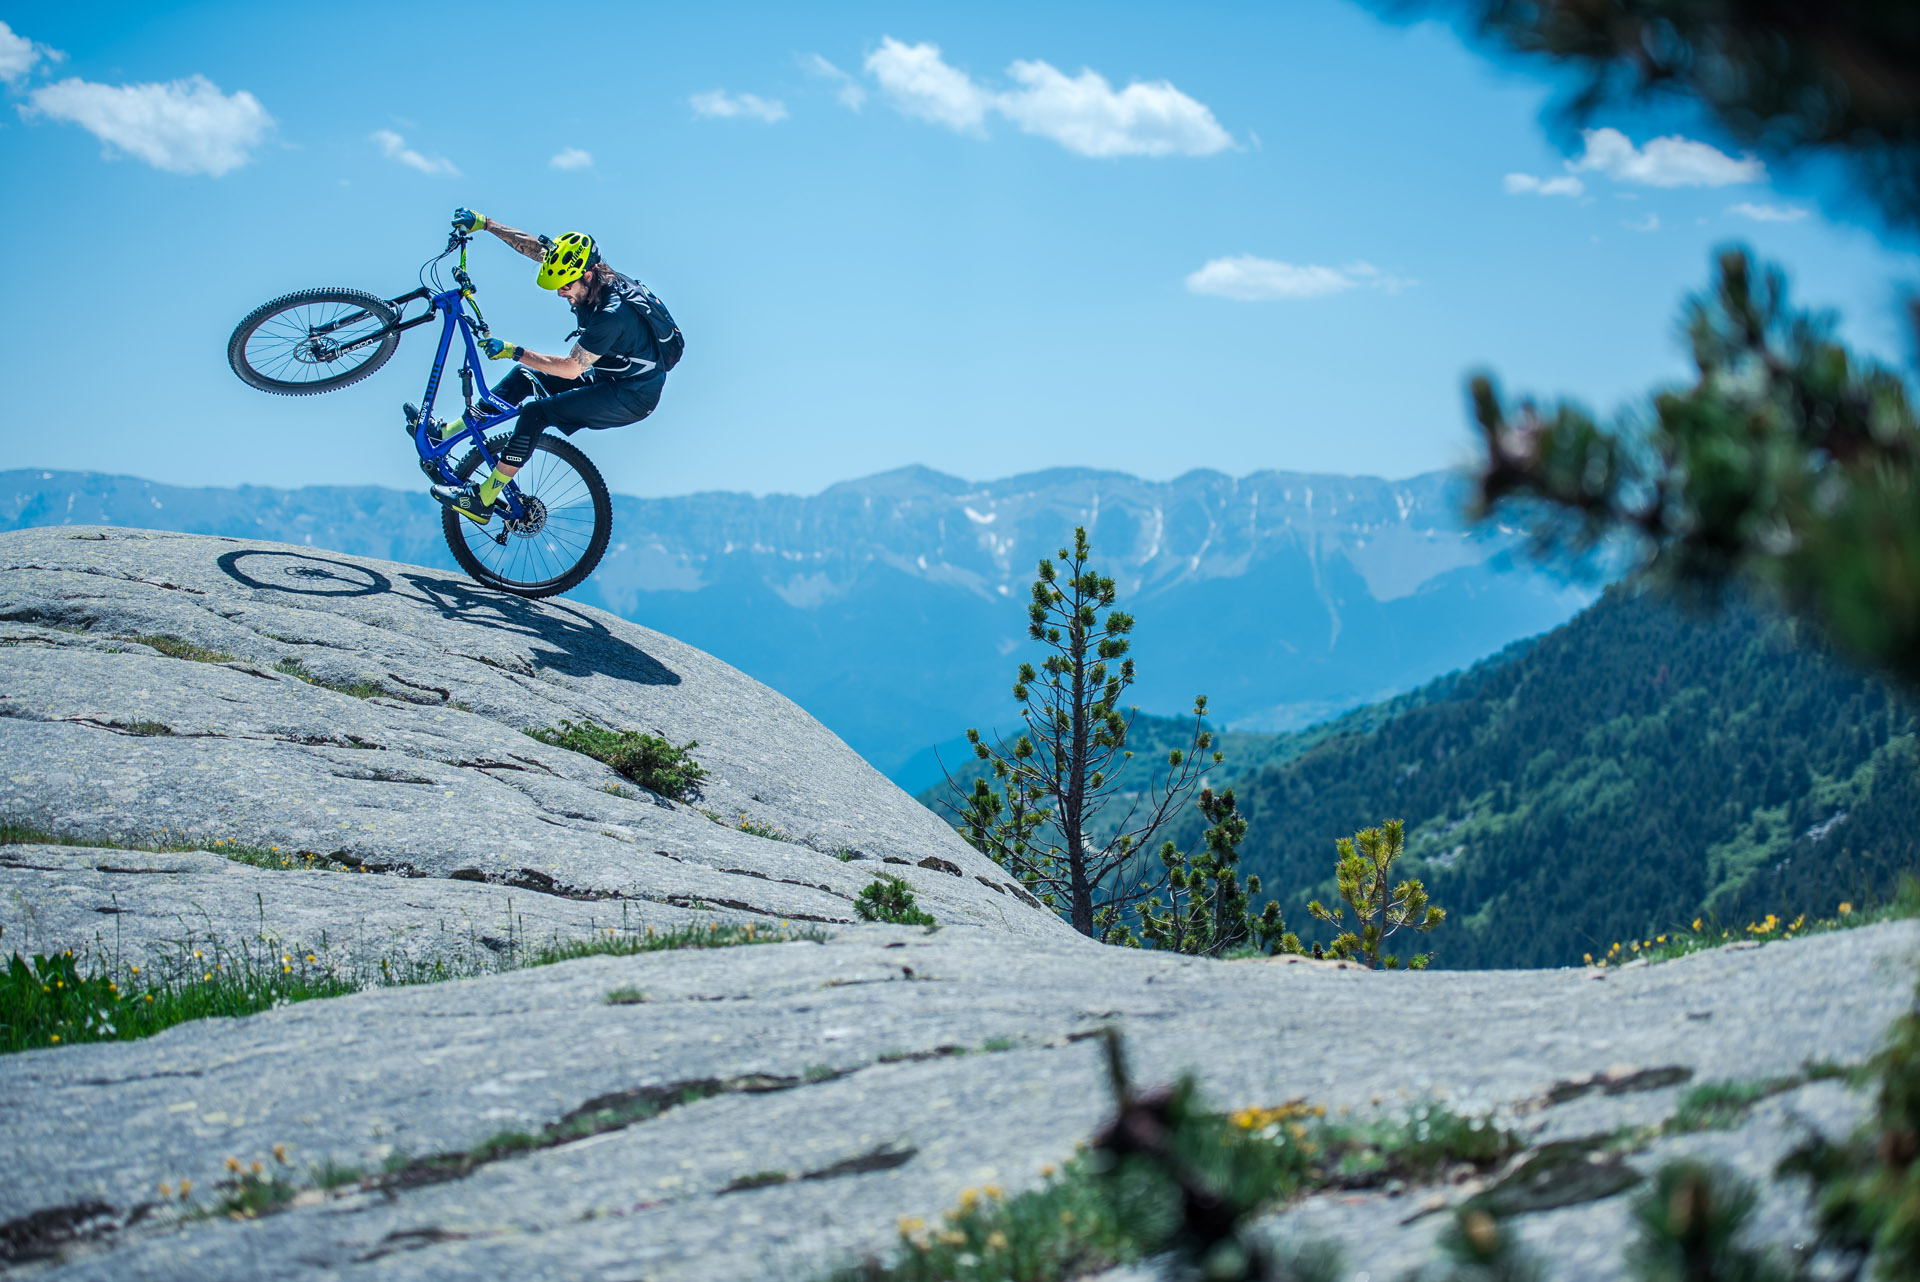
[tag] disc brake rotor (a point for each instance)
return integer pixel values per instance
(533, 522)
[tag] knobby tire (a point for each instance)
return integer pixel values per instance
(564, 555)
(273, 348)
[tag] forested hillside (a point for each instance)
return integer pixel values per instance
(1628, 772)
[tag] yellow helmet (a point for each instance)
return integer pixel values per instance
(567, 260)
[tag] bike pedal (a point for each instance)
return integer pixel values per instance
(412, 414)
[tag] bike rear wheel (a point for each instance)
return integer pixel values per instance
(313, 341)
(570, 517)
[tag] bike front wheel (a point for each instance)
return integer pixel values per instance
(313, 341)
(563, 536)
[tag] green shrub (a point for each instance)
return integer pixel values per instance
(889, 899)
(647, 759)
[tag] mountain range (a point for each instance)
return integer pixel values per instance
(893, 607)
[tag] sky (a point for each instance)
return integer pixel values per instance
(986, 238)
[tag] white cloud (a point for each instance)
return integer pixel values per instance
(184, 127)
(1650, 223)
(1527, 184)
(1767, 213)
(920, 83)
(18, 54)
(1671, 161)
(1083, 113)
(847, 91)
(728, 106)
(572, 158)
(1248, 279)
(394, 147)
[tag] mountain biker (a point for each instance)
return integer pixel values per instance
(612, 377)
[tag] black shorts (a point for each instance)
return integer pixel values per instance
(571, 404)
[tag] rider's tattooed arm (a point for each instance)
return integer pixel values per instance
(573, 366)
(525, 242)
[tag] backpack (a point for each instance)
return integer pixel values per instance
(666, 334)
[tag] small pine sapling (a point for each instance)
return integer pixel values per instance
(1362, 873)
(1208, 912)
(889, 899)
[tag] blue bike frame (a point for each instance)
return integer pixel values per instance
(452, 305)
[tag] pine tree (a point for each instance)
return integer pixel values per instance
(1362, 873)
(1208, 913)
(1056, 778)
(1791, 465)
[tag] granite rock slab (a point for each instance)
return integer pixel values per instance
(376, 713)
(881, 1073)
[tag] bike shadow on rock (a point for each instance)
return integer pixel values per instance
(302, 574)
(575, 644)
(582, 646)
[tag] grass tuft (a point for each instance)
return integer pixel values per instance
(178, 648)
(358, 689)
(1721, 1106)
(48, 1001)
(647, 759)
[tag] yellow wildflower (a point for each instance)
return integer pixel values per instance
(233, 1163)
(1846, 909)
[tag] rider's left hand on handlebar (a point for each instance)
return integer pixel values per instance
(468, 221)
(501, 351)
